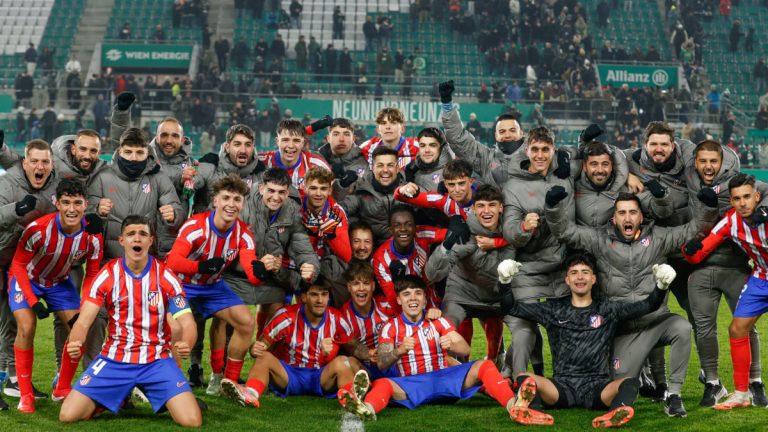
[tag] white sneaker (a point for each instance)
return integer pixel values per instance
(138, 397)
(214, 385)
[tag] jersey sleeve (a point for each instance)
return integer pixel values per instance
(444, 326)
(384, 278)
(174, 293)
(93, 263)
(344, 332)
(387, 334)
(31, 240)
(431, 235)
(425, 200)
(177, 259)
(711, 241)
(97, 292)
(339, 243)
(278, 328)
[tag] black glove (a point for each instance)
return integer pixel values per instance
(410, 171)
(656, 188)
(125, 100)
(345, 177)
(446, 91)
(563, 170)
(397, 270)
(211, 265)
(441, 189)
(321, 124)
(458, 232)
(555, 195)
(40, 310)
(707, 196)
(760, 216)
(693, 246)
(590, 133)
(259, 270)
(93, 224)
(26, 205)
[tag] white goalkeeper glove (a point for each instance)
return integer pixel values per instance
(664, 275)
(507, 270)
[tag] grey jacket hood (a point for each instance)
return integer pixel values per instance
(152, 166)
(226, 164)
(183, 154)
(62, 151)
(619, 175)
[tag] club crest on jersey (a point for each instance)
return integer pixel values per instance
(436, 178)
(180, 302)
(249, 182)
(53, 198)
(616, 363)
(153, 298)
(280, 230)
(716, 188)
(146, 188)
(230, 254)
(360, 171)
(595, 321)
(427, 332)
(18, 297)
(85, 379)
(645, 242)
(79, 255)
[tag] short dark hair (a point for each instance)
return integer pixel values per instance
(581, 258)
(541, 134)
(318, 174)
(89, 133)
(432, 132)
(342, 123)
(659, 127)
(741, 179)
(134, 219)
(134, 137)
(708, 145)
(401, 208)
(626, 196)
(239, 129)
(319, 283)
(506, 116)
(37, 144)
(595, 148)
(277, 176)
(391, 114)
(488, 192)
(231, 183)
(70, 187)
(456, 169)
(359, 269)
(383, 150)
(292, 126)
(409, 281)
(360, 226)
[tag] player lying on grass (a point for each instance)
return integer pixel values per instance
(420, 348)
(297, 355)
(48, 249)
(139, 294)
(581, 329)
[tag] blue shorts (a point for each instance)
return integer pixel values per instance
(375, 373)
(62, 296)
(109, 382)
(753, 300)
(443, 386)
(209, 299)
(303, 381)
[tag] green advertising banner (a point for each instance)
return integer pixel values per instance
(146, 56)
(364, 111)
(637, 76)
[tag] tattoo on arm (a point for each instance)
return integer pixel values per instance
(387, 355)
(359, 350)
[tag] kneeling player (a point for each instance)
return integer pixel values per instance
(420, 349)
(297, 353)
(580, 331)
(44, 257)
(139, 293)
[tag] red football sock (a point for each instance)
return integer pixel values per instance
(741, 355)
(381, 392)
(256, 385)
(495, 385)
(24, 359)
(466, 330)
(347, 386)
(217, 360)
(233, 369)
(68, 369)
(494, 328)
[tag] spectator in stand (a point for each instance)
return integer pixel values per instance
(728, 124)
(73, 65)
(408, 72)
(221, 48)
(30, 58)
(338, 23)
(603, 13)
(384, 64)
(399, 61)
(176, 11)
(197, 116)
(749, 42)
(240, 53)
(760, 74)
(294, 91)
(385, 31)
(652, 55)
(361, 86)
(125, 32)
(277, 49)
(761, 120)
(267, 124)
(295, 10)
(513, 93)
(725, 9)
(475, 128)
(74, 85)
(734, 36)
(345, 65)
(301, 54)
(370, 33)
(100, 115)
(159, 35)
(483, 96)
(21, 126)
(313, 49)
(713, 107)
(330, 62)
(679, 35)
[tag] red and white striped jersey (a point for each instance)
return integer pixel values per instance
(199, 240)
(436, 200)
(45, 254)
(298, 343)
(752, 239)
(366, 329)
(427, 354)
(137, 331)
(297, 172)
(407, 150)
(414, 261)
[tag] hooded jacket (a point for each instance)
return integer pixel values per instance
(371, 206)
(143, 196)
(429, 179)
(219, 166)
(353, 160)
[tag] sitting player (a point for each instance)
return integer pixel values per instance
(139, 293)
(581, 331)
(40, 271)
(420, 349)
(298, 352)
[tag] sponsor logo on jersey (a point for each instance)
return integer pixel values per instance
(595, 321)
(146, 188)
(85, 379)
(153, 297)
(646, 242)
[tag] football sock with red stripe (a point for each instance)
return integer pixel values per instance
(256, 385)
(742, 359)
(495, 385)
(68, 368)
(494, 328)
(378, 397)
(233, 369)
(217, 360)
(24, 359)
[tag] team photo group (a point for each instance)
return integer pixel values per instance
(367, 265)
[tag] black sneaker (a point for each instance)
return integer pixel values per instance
(659, 393)
(12, 390)
(195, 373)
(758, 394)
(200, 404)
(3, 405)
(712, 394)
(702, 377)
(647, 386)
(673, 406)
